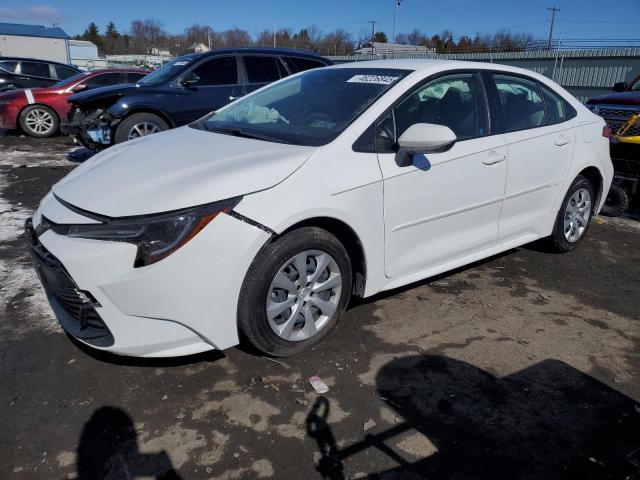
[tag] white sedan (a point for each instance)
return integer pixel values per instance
(260, 220)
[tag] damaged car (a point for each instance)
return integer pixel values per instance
(179, 92)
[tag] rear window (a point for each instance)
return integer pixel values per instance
(8, 66)
(521, 101)
(103, 80)
(261, 69)
(555, 106)
(298, 64)
(63, 72)
(36, 69)
(134, 77)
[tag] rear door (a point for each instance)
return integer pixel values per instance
(215, 83)
(35, 74)
(261, 70)
(539, 154)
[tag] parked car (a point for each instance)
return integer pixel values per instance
(621, 111)
(179, 92)
(38, 111)
(18, 72)
(261, 219)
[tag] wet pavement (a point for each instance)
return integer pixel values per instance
(526, 365)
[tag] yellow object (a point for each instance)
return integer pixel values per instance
(619, 135)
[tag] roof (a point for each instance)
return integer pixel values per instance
(33, 59)
(82, 43)
(403, 64)
(266, 51)
(22, 30)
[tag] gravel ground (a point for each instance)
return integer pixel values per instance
(526, 365)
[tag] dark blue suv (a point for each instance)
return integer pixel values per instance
(178, 93)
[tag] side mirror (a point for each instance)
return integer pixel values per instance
(620, 86)
(189, 80)
(421, 138)
(79, 87)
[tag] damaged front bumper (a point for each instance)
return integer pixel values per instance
(93, 129)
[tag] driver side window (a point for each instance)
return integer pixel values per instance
(456, 101)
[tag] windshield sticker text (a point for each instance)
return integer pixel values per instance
(379, 79)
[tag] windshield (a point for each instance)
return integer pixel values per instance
(68, 81)
(166, 71)
(309, 109)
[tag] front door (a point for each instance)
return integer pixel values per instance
(213, 84)
(446, 205)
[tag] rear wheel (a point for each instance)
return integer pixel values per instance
(139, 125)
(295, 292)
(39, 121)
(574, 217)
(617, 201)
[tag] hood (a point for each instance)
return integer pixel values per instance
(177, 169)
(96, 94)
(618, 98)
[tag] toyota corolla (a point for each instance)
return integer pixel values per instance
(260, 220)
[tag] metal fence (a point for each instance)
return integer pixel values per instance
(585, 73)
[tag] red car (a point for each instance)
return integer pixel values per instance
(38, 111)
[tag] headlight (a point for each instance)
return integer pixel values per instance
(156, 236)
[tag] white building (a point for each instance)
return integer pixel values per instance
(198, 47)
(84, 55)
(34, 41)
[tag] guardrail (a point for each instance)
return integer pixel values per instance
(584, 73)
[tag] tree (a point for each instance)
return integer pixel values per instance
(380, 37)
(92, 34)
(111, 30)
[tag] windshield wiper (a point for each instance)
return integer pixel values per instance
(238, 132)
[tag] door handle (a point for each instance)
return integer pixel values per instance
(493, 158)
(234, 97)
(562, 140)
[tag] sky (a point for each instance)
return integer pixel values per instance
(583, 19)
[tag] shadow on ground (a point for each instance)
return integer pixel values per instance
(108, 450)
(547, 421)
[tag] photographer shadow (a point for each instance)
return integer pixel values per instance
(548, 421)
(108, 450)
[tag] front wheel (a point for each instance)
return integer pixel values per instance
(39, 121)
(139, 125)
(574, 217)
(295, 292)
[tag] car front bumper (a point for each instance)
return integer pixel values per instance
(184, 304)
(93, 129)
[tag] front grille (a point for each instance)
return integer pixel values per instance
(81, 319)
(616, 117)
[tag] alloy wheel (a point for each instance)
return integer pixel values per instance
(39, 121)
(577, 215)
(142, 129)
(304, 295)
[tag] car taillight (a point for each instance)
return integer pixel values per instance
(606, 131)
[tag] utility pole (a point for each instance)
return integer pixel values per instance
(373, 34)
(209, 37)
(553, 19)
(396, 4)
(274, 35)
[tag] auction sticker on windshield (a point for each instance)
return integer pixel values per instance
(379, 79)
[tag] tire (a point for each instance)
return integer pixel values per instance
(146, 123)
(260, 290)
(39, 121)
(617, 201)
(560, 240)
